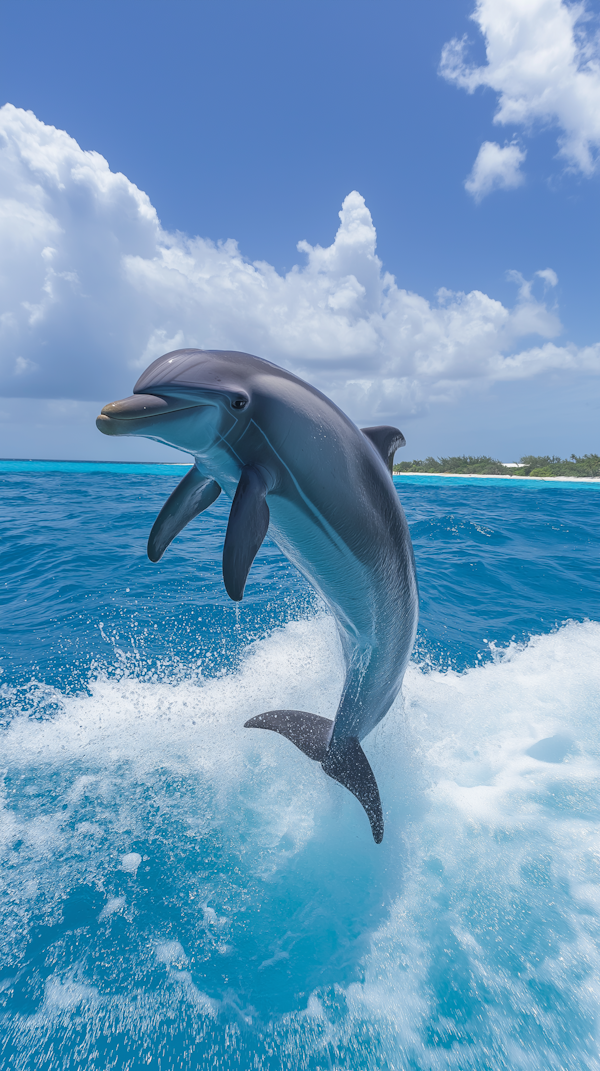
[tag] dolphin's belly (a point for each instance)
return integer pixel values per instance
(318, 552)
(374, 603)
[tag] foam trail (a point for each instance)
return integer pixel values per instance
(174, 885)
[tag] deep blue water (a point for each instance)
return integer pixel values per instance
(179, 893)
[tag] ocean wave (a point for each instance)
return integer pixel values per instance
(176, 884)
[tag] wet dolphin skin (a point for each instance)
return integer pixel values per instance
(293, 463)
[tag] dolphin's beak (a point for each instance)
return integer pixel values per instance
(125, 416)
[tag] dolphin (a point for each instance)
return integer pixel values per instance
(293, 463)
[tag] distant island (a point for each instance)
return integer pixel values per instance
(587, 465)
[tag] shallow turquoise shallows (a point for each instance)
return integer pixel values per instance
(178, 892)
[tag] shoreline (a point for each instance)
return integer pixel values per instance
(491, 476)
(37, 464)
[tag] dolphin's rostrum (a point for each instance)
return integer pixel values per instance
(293, 463)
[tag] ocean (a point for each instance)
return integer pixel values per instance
(179, 892)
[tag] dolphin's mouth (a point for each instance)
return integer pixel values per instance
(119, 417)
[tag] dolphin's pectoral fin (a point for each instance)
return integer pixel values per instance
(346, 762)
(386, 441)
(247, 527)
(194, 494)
(309, 732)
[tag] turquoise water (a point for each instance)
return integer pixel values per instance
(180, 893)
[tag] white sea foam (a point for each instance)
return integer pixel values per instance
(472, 931)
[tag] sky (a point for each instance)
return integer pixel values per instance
(396, 200)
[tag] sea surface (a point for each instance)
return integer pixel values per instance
(177, 892)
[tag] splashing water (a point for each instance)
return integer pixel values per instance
(180, 893)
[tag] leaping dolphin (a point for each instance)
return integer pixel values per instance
(291, 461)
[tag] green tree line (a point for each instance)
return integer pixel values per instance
(465, 465)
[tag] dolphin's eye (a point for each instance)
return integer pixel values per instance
(239, 403)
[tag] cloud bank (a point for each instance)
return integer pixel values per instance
(92, 289)
(544, 67)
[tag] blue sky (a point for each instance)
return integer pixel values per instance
(254, 121)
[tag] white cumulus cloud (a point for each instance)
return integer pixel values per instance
(544, 64)
(92, 289)
(496, 168)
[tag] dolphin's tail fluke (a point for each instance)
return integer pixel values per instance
(345, 762)
(348, 764)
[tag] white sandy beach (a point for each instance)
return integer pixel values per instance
(479, 476)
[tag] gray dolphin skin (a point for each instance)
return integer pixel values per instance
(293, 463)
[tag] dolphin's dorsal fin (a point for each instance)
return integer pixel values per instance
(193, 495)
(247, 527)
(386, 441)
(344, 760)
